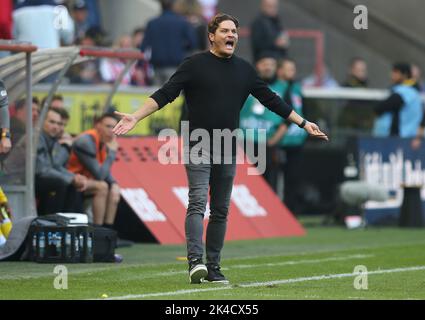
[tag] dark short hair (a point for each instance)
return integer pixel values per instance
(219, 18)
(55, 97)
(20, 104)
(62, 112)
(404, 68)
(267, 55)
(106, 115)
(167, 4)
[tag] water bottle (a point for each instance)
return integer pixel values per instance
(76, 246)
(59, 243)
(49, 238)
(81, 243)
(41, 244)
(68, 244)
(34, 243)
(89, 244)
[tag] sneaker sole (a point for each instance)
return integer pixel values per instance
(198, 273)
(216, 282)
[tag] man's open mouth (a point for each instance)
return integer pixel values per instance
(230, 44)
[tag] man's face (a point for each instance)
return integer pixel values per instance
(270, 7)
(52, 124)
(224, 39)
(359, 70)
(104, 128)
(80, 15)
(266, 68)
(397, 77)
(287, 71)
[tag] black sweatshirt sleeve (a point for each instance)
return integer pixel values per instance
(269, 99)
(171, 90)
(392, 104)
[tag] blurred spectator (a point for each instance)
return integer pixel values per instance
(293, 137)
(168, 39)
(5, 142)
(209, 8)
(14, 165)
(6, 19)
(192, 10)
(357, 76)
(350, 117)
(417, 77)
(88, 72)
(57, 189)
(19, 116)
(401, 113)
(65, 139)
(255, 116)
(92, 155)
(110, 69)
(43, 24)
(80, 15)
(326, 80)
(143, 73)
(137, 37)
(267, 33)
(93, 17)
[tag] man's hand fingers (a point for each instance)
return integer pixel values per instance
(121, 114)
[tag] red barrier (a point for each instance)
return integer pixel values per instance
(158, 195)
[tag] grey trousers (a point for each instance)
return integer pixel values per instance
(218, 178)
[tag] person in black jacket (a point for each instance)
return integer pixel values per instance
(216, 84)
(267, 33)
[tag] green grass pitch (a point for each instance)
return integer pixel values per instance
(319, 265)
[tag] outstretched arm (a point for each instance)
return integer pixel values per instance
(128, 121)
(274, 103)
(312, 129)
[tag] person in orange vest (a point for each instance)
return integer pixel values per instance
(92, 155)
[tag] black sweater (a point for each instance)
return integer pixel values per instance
(216, 89)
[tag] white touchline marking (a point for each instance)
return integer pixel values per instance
(262, 284)
(276, 264)
(148, 275)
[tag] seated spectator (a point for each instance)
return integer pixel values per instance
(88, 72)
(57, 189)
(110, 69)
(92, 155)
(19, 116)
(13, 169)
(357, 75)
(64, 138)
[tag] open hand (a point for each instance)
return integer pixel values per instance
(314, 131)
(126, 123)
